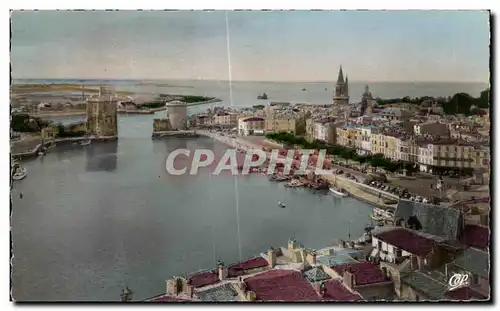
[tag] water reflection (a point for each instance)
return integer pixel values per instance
(102, 156)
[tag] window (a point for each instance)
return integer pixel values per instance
(380, 245)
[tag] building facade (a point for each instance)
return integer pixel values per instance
(251, 126)
(275, 125)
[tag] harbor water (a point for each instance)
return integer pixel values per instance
(96, 218)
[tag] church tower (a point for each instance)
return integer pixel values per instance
(341, 93)
(367, 102)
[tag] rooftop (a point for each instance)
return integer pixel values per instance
(408, 241)
(335, 259)
(475, 261)
(365, 273)
(205, 278)
(225, 292)
(253, 263)
(281, 285)
(167, 298)
(425, 284)
(464, 293)
(316, 275)
(336, 291)
(476, 236)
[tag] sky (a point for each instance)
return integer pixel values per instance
(263, 46)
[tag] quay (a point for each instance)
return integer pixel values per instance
(34, 152)
(167, 134)
(357, 190)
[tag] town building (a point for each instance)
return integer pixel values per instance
(431, 128)
(102, 119)
(251, 126)
(278, 125)
(347, 135)
(341, 93)
(395, 114)
(325, 130)
(226, 119)
(407, 149)
(449, 154)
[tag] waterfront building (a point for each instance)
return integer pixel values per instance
(407, 149)
(341, 93)
(390, 152)
(251, 126)
(177, 114)
(226, 118)
(378, 143)
(347, 135)
(102, 113)
(280, 124)
(365, 140)
(442, 155)
(49, 132)
(325, 130)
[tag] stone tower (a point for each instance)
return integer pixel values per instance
(341, 93)
(102, 113)
(367, 102)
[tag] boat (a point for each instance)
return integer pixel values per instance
(339, 192)
(281, 204)
(20, 173)
(380, 214)
(304, 89)
(41, 153)
(263, 96)
(85, 143)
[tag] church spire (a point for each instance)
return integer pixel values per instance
(340, 79)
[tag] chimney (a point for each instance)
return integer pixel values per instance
(292, 244)
(413, 263)
(222, 270)
(271, 257)
(314, 261)
(242, 285)
(349, 280)
(171, 287)
(251, 296)
(190, 290)
(384, 273)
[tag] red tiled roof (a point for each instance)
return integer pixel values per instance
(335, 291)
(281, 285)
(364, 272)
(204, 278)
(407, 241)
(166, 298)
(476, 236)
(254, 263)
(464, 293)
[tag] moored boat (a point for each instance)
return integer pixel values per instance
(20, 173)
(339, 192)
(85, 143)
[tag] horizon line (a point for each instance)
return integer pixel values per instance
(265, 81)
